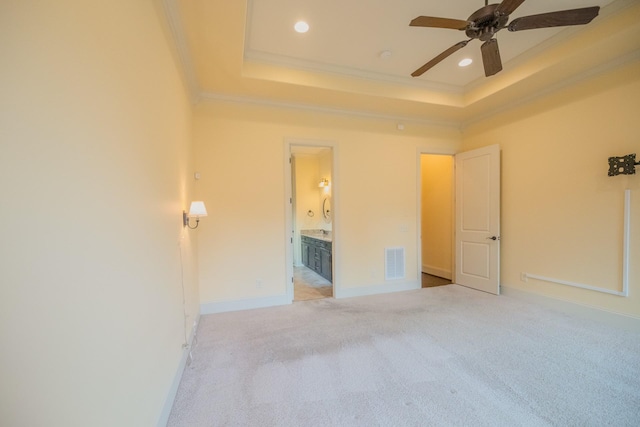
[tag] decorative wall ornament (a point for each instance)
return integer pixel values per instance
(625, 165)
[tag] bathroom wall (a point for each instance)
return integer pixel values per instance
(325, 159)
(308, 204)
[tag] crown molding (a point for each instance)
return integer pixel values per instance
(265, 102)
(450, 124)
(595, 72)
(172, 14)
(175, 24)
(318, 67)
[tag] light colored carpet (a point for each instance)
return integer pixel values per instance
(442, 356)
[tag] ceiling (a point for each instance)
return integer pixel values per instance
(247, 50)
(346, 37)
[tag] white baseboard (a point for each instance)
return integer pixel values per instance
(341, 292)
(435, 271)
(173, 390)
(243, 304)
(619, 320)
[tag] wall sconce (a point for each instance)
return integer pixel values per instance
(324, 182)
(196, 210)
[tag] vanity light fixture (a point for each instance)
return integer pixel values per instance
(196, 210)
(324, 182)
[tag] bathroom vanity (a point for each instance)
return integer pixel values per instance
(316, 251)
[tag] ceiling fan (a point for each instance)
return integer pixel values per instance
(484, 23)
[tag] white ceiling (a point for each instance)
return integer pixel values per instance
(347, 37)
(247, 51)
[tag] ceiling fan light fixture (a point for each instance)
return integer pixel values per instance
(484, 23)
(465, 62)
(301, 27)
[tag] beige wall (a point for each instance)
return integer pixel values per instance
(562, 216)
(437, 215)
(95, 170)
(374, 190)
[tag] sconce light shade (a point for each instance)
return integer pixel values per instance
(324, 182)
(196, 210)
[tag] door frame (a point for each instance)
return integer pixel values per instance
(288, 203)
(436, 152)
(452, 153)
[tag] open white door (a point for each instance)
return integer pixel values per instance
(478, 219)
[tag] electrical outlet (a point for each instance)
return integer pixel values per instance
(259, 284)
(523, 277)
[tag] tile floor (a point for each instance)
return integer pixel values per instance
(307, 285)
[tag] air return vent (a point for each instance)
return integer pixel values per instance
(394, 263)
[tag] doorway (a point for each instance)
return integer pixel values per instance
(437, 219)
(312, 238)
(474, 234)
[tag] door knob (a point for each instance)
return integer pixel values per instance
(493, 238)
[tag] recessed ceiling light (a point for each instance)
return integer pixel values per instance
(465, 62)
(386, 54)
(301, 27)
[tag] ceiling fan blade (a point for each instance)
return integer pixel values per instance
(508, 6)
(420, 71)
(430, 21)
(555, 19)
(491, 57)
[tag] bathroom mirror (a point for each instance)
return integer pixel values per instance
(326, 209)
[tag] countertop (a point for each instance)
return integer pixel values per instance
(323, 235)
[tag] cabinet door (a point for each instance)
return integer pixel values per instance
(305, 253)
(317, 260)
(326, 264)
